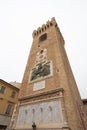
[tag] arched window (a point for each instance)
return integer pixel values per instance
(41, 114)
(33, 115)
(43, 37)
(26, 112)
(50, 114)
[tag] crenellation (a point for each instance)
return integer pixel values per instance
(44, 27)
(53, 20)
(39, 30)
(34, 33)
(48, 24)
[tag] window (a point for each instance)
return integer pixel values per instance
(50, 113)
(13, 94)
(43, 37)
(1, 100)
(3, 127)
(41, 114)
(33, 114)
(2, 89)
(8, 109)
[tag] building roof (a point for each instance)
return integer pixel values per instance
(16, 84)
(10, 85)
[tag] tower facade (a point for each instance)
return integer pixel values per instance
(49, 96)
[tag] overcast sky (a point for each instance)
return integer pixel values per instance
(18, 19)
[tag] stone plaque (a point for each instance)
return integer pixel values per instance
(41, 112)
(39, 85)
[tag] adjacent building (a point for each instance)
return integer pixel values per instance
(8, 99)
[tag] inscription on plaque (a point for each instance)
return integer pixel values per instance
(39, 85)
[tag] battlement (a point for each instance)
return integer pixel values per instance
(44, 27)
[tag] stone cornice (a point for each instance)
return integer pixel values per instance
(58, 92)
(44, 27)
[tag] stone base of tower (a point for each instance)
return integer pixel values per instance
(46, 109)
(65, 128)
(45, 127)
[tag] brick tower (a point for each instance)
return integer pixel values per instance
(49, 97)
